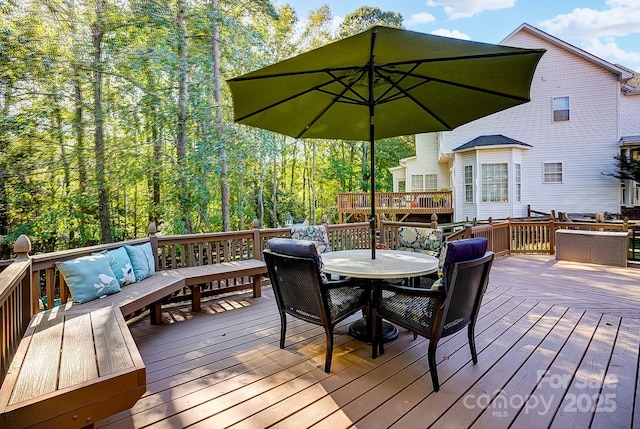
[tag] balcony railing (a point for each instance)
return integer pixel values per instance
(428, 202)
(27, 283)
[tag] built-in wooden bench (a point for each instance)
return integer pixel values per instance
(78, 363)
(72, 368)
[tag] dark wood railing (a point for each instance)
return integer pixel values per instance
(31, 283)
(530, 236)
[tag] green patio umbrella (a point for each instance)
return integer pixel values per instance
(384, 82)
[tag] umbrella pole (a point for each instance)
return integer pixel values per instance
(372, 146)
(372, 219)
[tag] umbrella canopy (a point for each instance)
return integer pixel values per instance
(384, 82)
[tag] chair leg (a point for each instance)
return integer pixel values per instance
(329, 351)
(379, 338)
(283, 328)
(373, 323)
(472, 342)
(432, 365)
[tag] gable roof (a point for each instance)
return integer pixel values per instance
(491, 140)
(622, 72)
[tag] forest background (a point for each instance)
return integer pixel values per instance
(114, 113)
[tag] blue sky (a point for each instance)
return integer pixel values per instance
(609, 29)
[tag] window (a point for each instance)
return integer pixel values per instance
(560, 109)
(518, 183)
(468, 183)
(416, 182)
(495, 183)
(402, 186)
(430, 182)
(424, 182)
(552, 172)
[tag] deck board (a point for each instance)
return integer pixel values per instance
(549, 334)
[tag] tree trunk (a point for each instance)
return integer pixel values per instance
(312, 173)
(217, 103)
(4, 173)
(274, 198)
(181, 138)
(101, 183)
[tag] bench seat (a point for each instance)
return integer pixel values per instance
(77, 363)
(72, 368)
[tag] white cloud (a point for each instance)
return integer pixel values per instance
(420, 18)
(610, 51)
(622, 18)
(467, 8)
(448, 33)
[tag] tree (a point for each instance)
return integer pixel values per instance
(628, 168)
(366, 17)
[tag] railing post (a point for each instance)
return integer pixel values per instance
(552, 239)
(510, 237)
(21, 248)
(257, 240)
(383, 231)
(625, 224)
(153, 238)
(468, 233)
(434, 221)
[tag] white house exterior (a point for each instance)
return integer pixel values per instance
(549, 153)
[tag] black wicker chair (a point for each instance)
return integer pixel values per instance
(302, 291)
(438, 313)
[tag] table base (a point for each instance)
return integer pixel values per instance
(358, 330)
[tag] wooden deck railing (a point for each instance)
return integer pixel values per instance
(29, 282)
(15, 303)
(358, 204)
(530, 237)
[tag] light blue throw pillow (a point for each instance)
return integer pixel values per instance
(89, 277)
(120, 264)
(142, 260)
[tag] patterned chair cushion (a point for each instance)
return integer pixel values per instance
(316, 233)
(423, 240)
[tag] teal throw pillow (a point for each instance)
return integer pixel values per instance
(120, 264)
(142, 260)
(89, 277)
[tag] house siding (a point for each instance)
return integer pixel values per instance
(585, 145)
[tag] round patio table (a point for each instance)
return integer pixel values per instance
(389, 264)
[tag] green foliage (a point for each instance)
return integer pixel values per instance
(366, 17)
(47, 158)
(628, 168)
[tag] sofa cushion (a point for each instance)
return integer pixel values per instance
(89, 277)
(142, 260)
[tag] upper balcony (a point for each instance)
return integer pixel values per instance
(396, 206)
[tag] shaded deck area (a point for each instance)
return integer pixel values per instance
(558, 346)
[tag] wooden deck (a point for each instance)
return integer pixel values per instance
(556, 342)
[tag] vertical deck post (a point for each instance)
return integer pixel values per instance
(21, 248)
(153, 238)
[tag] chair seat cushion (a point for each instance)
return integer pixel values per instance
(343, 300)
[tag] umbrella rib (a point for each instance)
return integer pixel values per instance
(336, 97)
(462, 57)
